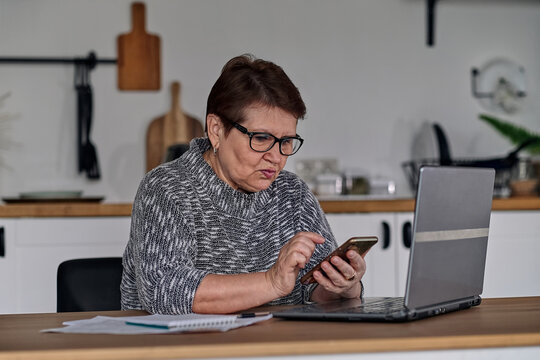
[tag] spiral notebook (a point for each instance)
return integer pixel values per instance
(184, 322)
(159, 324)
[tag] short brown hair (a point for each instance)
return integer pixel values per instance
(246, 80)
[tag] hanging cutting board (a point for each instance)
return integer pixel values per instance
(138, 55)
(175, 127)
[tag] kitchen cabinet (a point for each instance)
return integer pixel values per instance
(31, 248)
(7, 265)
(404, 226)
(512, 264)
(38, 246)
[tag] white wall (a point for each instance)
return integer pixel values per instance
(365, 73)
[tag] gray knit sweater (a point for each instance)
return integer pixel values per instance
(187, 223)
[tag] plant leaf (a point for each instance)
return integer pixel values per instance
(515, 133)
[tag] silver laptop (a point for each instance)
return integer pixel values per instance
(448, 252)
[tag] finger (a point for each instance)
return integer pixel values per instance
(355, 260)
(335, 275)
(298, 260)
(345, 269)
(306, 251)
(304, 243)
(295, 245)
(314, 237)
(296, 253)
(326, 283)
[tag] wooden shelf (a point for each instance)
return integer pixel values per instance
(64, 210)
(329, 206)
(361, 206)
(407, 205)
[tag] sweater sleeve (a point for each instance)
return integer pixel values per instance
(164, 253)
(313, 219)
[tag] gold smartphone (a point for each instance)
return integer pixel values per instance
(359, 244)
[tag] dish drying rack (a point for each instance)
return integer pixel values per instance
(503, 167)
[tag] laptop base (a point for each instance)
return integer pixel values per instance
(388, 309)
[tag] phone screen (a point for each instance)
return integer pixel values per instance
(359, 244)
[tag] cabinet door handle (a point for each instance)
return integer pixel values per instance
(407, 234)
(386, 235)
(2, 243)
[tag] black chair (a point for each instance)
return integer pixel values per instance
(89, 284)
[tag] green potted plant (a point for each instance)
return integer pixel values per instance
(518, 135)
(515, 133)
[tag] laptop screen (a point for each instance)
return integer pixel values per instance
(448, 254)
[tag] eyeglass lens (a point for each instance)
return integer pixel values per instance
(264, 142)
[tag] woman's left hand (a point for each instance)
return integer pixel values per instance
(343, 278)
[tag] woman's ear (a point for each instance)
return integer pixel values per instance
(214, 129)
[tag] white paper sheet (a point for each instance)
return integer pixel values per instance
(117, 325)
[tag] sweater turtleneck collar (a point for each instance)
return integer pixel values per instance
(232, 201)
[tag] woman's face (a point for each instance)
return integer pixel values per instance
(243, 168)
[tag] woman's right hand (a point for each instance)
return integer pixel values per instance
(292, 257)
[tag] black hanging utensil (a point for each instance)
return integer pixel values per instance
(444, 148)
(92, 168)
(87, 155)
(80, 115)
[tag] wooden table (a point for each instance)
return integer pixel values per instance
(496, 323)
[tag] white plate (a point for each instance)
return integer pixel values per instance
(51, 194)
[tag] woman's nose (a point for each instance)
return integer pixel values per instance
(273, 155)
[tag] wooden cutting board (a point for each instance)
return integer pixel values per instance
(138, 55)
(175, 127)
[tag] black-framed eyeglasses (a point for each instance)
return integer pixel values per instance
(262, 141)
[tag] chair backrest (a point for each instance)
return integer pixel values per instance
(89, 284)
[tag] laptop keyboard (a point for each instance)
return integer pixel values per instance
(382, 305)
(386, 305)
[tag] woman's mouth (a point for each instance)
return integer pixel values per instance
(268, 173)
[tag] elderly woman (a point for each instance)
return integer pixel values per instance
(224, 228)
